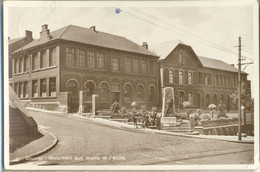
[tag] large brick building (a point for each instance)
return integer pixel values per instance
(49, 72)
(199, 80)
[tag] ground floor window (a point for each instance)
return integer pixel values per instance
(90, 89)
(215, 99)
(152, 94)
(140, 93)
(128, 93)
(21, 89)
(43, 92)
(52, 87)
(104, 92)
(35, 88)
(26, 90)
(181, 98)
(190, 97)
(207, 100)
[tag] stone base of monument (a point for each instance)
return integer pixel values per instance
(169, 122)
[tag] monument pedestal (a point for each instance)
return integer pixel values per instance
(169, 122)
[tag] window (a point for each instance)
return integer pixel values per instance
(16, 63)
(152, 94)
(136, 66)
(80, 58)
(170, 76)
(215, 99)
(53, 57)
(44, 59)
(21, 64)
(207, 100)
(181, 98)
(21, 89)
(152, 67)
(140, 93)
(128, 64)
(205, 79)
(52, 87)
(190, 98)
(216, 80)
(128, 93)
(36, 63)
(209, 79)
(90, 89)
(189, 78)
(26, 90)
(181, 57)
(91, 59)
(43, 92)
(101, 61)
(35, 88)
(104, 92)
(144, 66)
(200, 78)
(180, 77)
(115, 64)
(70, 56)
(26, 63)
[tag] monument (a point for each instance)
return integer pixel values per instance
(168, 108)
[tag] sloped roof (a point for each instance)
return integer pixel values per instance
(11, 41)
(217, 64)
(164, 49)
(97, 38)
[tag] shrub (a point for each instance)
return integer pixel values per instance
(123, 109)
(212, 106)
(186, 104)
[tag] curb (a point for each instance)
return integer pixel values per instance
(23, 159)
(108, 123)
(43, 110)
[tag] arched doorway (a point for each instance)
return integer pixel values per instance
(215, 99)
(207, 100)
(72, 86)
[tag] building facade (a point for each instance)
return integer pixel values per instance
(52, 70)
(199, 80)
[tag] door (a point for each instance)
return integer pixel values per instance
(115, 97)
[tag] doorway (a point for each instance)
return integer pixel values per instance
(115, 97)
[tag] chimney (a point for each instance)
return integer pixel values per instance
(93, 28)
(145, 45)
(28, 34)
(45, 33)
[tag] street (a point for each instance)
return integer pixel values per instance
(83, 142)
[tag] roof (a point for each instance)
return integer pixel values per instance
(97, 38)
(217, 64)
(164, 49)
(11, 41)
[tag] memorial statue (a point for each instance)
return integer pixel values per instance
(168, 107)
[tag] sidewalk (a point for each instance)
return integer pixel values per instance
(248, 139)
(34, 148)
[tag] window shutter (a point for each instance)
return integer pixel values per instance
(166, 75)
(186, 77)
(177, 77)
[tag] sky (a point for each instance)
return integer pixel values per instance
(210, 28)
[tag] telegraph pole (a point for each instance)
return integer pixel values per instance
(239, 88)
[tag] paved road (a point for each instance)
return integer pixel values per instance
(82, 142)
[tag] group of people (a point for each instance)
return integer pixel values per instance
(148, 118)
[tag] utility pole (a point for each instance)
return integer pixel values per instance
(239, 88)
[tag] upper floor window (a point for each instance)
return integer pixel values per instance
(44, 59)
(180, 57)
(91, 59)
(101, 61)
(136, 66)
(189, 78)
(80, 58)
(152, 67)
(180, 77)
(128, 64)
(115, 64)
(21, 64)
(70, 56)
(36, 64)
(205, 79)
(144, 66)
(26, 63)
(170, 76)
(16, 64)
(209, 79)
(53, 57)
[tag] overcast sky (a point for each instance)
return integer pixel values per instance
(211, 29)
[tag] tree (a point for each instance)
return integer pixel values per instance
(246, 99)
